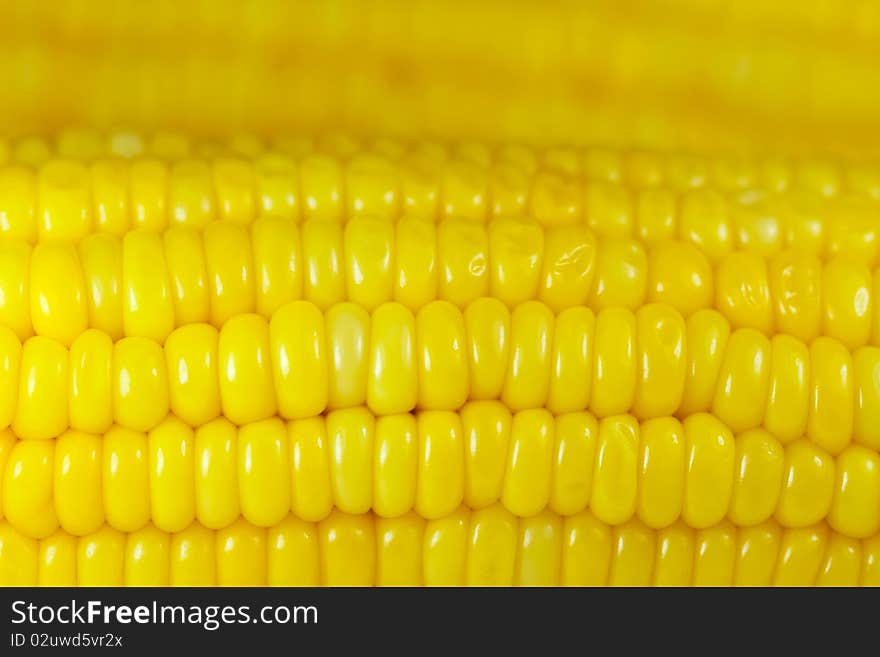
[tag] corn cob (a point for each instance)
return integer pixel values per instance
(657, 471)
(487, 547)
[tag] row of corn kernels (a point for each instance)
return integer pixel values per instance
(302, 362)
(146, 284)
(431, 462)
(488, 547)
(636, 168)
(69, 200)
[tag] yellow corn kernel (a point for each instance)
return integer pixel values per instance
(101, 259)
(445, 548)
(18, 557)
(293, 554)
(172, 485)
(56, 560)
(7, 442)
(140, 383)
(57, 292)
(27, 488)
(742, 291)
(216, 475)
(246, 390)
(655, 214)
(527, 383)
(299, 364)
(420, 184)
(192, 557)
(63, 203)
(615, 367)
(871, 562)
(621, 275)
(660, 354)
(347, 330)
(710, 455)
(491, 547)
(574, 454)
(187, 275)
(278, 263)
(555, 199)
(486, 427)
(90, 394)
(351, 434)
(568, 266)
(126, 479)
(515, 250)
(463, 190)
(487, 325)
(846, 302)
(866, 375)
(757, 550)
(395, 465)
(191, 198)
(586, 551)
(608, 209)
(264, 472)
(392, 384)
(147, 558)
(15, 304)
(788, 395)
(855, 509)
(661, 472)
(110, 184)
(632, 560)
(42, 405)
(800, 556)
(148, 196)
(795, 279)
(440, 475)
(741, 391)
(321, 182)
(615, 474)
(369, 261)
(348, 550)
(415, 267)
(442, 357)
(18, 200)
(463, 261)
(539, 553)
(509, 185)
(705, 221)
(10, 366)
(527, 480)
(843, 562)
(311, 492)
(399, 550)
(807, 485)
(830, 418)
(571, 365)
(241, 555)
(715, 556)
(230, 268)
(100, 558)
(757, 481)
(191, 360)
(680, 275)
(76, 487)
(674, 563)
(234, 185)
(147, 311)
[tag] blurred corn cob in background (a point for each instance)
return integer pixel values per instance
(385, 293)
